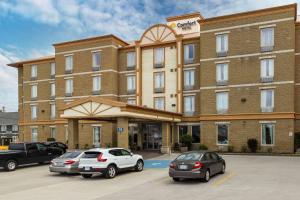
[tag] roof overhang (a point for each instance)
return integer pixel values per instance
(103, 109)
(32, 61)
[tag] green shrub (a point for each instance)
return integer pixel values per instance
(186, 141)
(252, 144)
(230, 148)
(50, 139)
(244, 149)
(203, 147)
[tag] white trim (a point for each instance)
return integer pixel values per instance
(187, 95)
(95, 51)
(129, 71)
(130, 74)
(297, 54)
(66, 55)
(267, 26)
(96, 75)
(221, 33)
(267, 122)
(266, 88)
(189, 68)
(226, 90)
(76, 97)
(189, 124)
(52, 126)
(85, 49)
(191, 91)
(96, 125)
(249, 55)
(247, 85)
(33, 104)
(68, 100)
(36, 81)
(127, 95)
(38, 101)
(89, 72)
(267, 57)
(220, 123)
(33, 84)
(246, 25)
(222, 61)
(69, 77)
(31, 127)
(191, 65)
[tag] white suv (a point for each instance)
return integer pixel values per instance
(108, 162)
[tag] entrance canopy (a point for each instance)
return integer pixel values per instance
(105, 109)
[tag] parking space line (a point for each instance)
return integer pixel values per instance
(223, 179)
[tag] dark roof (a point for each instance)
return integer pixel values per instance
(9, 118)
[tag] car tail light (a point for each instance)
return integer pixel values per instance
(100, 159)
(69, 162)
(197, 165)
(172, 165)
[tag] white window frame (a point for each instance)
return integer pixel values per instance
(217, 132)
(94, 59)
(96, 83)
(3, 128)
(130, 61)
(159, 103)
(53, 132)
(159, 80)
(273, 136)
(159, 56)
(34, 91)
(264, 41)
(131, 83)
(52, 89)
(33, 71)
(15, 128)
(263, 100)
(187, 48)
(52, 111)
(222, 67)
(69, 62)
(33, 110)
(69, 86)
(222, 43)
(34, 138)
(52, 68)
(191, 107)
(267, 65)
(94, 142)
(189, 78)
(222, 108)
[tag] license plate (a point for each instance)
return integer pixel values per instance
(87, 168)
(58, 164)
(183, 166)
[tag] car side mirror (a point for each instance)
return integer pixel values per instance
(131, 154)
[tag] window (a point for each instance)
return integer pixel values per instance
(69, 87)
(52, 111)
(222, 102)
(267, 100)
(52, 89)
(222, 44)
(159, 103)
(131, 101)
(96, 60)
(33, 71)
(130, 59)
(69, 63)
(15, 128)
(159, 57)
(52, 69)
(131, 83)
(96, 83)
(267, 134)
(222, 134)
(33, 112)
(183, 130)
(222, 74)
(189, 105)
(189, 53)
(159, 81)
(196, 134)
(34, 91)
(3, 128)
(189, 79)
(53, 132)
(96, 136)
(14, 138)
(267, 39)
(34, 135)
(267, 70)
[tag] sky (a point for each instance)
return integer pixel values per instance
(28, 28)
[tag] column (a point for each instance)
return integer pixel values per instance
(166, 133)
(138, 67)
(179, 74)
(73, 134)
(122, 132)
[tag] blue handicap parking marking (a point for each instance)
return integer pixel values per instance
(156, 164)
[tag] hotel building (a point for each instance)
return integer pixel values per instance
(221, 80)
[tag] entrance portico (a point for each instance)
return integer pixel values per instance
(121, 115)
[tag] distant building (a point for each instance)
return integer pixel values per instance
(9, 131)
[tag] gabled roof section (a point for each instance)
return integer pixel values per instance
(120, 41)
(32, 61)
(264, 11)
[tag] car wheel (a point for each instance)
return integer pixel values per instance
(176, 179)
(11, 165)
(111, 171)
(223, 169)
(207, 176)
(86, 175)
(139, 166)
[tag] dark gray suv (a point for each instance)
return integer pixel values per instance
(196, 165)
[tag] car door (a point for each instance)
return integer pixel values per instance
(44, 154)
(219, 162)
(128, 158)
(33, 155)
(214, 163)
(119, 159)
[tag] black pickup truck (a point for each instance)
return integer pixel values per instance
(27, 153)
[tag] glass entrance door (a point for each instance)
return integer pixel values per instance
(152, 136)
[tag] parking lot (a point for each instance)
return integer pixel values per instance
(247, 177)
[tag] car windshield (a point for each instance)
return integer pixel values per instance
(189, 156)
(71, 154)
(91, 154)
